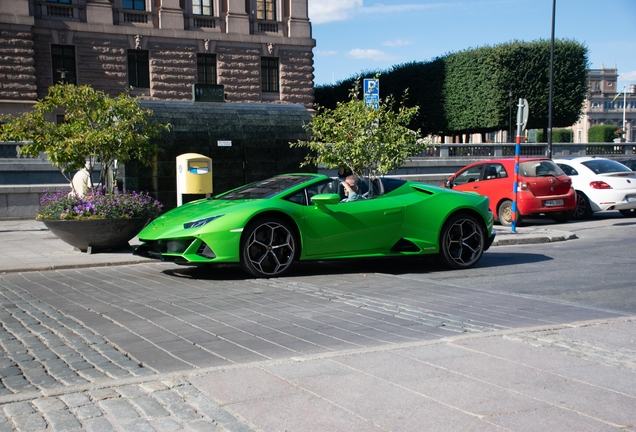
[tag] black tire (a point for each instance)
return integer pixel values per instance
(562, 217)
(582, 209)
(462, 241)
(268, 247)
(504, 213)
(628, 213)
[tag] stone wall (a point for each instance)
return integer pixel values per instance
(296, 70)
(102, 63)
(17, 71)
(239, 71)
(173, 69)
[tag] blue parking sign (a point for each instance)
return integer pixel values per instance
(371, 86)
(372, 92)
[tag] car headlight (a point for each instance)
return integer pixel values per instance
(200, 222)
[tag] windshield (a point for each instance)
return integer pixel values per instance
(540, 168)
(265, 188)
(605, 166)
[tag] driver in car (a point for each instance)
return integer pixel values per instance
(351, 189)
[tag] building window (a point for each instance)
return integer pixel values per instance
(266, 10)
(269, 74)
(206, 69)
(202, 7)
(59, 1)
(139, 5)
(63, 61)
(138, 69)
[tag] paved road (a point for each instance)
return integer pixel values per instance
(385, 345)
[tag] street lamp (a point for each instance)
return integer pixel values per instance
(510, 116)
(551, 83)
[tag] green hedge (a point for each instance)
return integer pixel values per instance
(467, 92)
(602, 133)
(558, 136)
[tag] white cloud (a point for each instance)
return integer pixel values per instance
(397, 43)
(324, 11)
(324, 53)
(384, 9)
(627, 76)
(369, 54)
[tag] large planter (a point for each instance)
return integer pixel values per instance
(91, 235)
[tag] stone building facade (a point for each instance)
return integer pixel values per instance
(260, 51)
(607, 104)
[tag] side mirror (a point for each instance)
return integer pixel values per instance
(323, 199)
(449, 183)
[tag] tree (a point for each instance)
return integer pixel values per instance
(365, 140)
(96, 128)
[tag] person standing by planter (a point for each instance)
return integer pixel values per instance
(81, 182)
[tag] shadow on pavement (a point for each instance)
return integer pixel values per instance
(393, 266)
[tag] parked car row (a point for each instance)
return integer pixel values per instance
(563, 188)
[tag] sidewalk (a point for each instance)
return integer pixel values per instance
(28, 245)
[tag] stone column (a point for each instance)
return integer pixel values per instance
(236, 19)
(298, 24)
(99, 12)
(170, 15)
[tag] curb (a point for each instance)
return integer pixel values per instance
(509, 238)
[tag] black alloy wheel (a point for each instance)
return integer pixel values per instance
(462, 241)
(268, 248)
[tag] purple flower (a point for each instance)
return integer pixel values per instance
(98, 203)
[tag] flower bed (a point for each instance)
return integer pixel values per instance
(98, 203)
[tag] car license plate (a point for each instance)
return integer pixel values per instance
(553, 203)
(631, 198)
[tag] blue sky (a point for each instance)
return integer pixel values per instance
(361, 35)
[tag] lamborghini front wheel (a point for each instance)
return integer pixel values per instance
(268, 247)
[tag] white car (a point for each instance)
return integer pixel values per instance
(600, 184)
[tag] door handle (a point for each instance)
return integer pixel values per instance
(392, 212)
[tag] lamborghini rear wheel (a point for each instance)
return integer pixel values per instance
(462, 241)
(268, 248)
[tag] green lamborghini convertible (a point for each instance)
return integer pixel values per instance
(267, 225)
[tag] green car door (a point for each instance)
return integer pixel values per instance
(351, 228)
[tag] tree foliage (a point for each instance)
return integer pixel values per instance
(96, 128)
(362, 139)
(602, 133)
(468, 91)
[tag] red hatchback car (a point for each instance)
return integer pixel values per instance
(542, 187)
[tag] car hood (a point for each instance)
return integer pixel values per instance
(171, 223)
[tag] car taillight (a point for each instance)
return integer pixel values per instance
(523, 186)
(599, 185)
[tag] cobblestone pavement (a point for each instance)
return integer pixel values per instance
(56, 374)
(122, 348)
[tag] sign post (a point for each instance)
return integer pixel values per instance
(522, 121)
